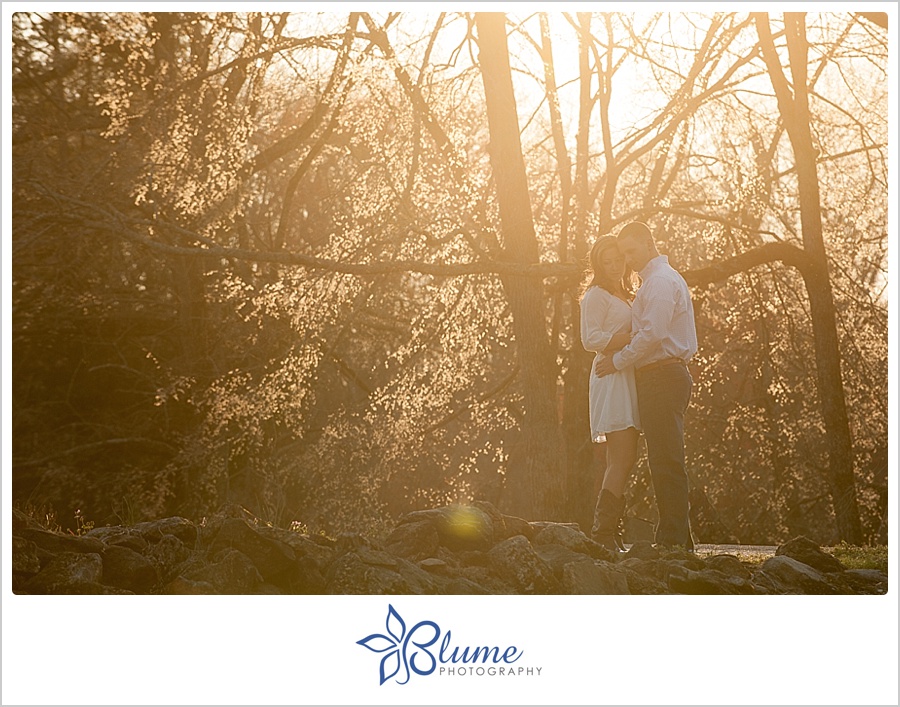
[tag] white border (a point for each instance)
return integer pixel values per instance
(301, 650)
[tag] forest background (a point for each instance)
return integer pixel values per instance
(328, 266)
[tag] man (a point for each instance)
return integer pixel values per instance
(664, 339)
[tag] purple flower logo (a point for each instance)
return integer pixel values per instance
(401, 650)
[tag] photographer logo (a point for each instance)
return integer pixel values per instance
(427, 651)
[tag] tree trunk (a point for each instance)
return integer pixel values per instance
(535, 485)
(794, 109)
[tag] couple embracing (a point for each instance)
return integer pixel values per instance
(640, 381)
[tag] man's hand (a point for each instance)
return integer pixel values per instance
(604, 367)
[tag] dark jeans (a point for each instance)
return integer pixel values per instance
(663, 396)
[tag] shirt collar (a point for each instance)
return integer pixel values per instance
(652, 264)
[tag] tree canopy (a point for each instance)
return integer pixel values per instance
(328, 265)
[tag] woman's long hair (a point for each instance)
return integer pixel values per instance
(596, 276)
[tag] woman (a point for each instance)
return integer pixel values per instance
(606, 328)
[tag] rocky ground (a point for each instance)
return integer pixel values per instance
(451, 550)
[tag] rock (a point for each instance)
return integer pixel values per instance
(419, 580)
(473, 558)
(708, 581)
(182, 585)
(24, 557)
(350, 575)
(305, 577)
(785, 575)
(640, 583)
(316, 547)
(486, 580)
(565, 535)
(558, 556)
(56, 543)
(127, 569)
(167, 555)
(414, 541)
(21, 520)
(458, 527)
(155, 530)
(515, 562)
(118, 535)
(66, 573)
(270, 556)
(806, 551)
(434, 565)
(539, 525)
(729, 565)
(867, 581)
(657, 570)
(350, 542)
(378, 558)
(231, 572)
(461, 585)
(505, 526)
(574, 539)
(589, 577)
(513, 525)
(642, 551)
(96, 588)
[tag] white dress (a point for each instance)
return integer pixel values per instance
(613, 398)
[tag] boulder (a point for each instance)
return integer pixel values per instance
(182, 585)
(563, 534)
(154, 530)
(316, 547)
(461, 585)
(589, 577)
(642, 550)
(708, 581)
(231, 572)
(127, 569)
(643, 583)
(304, 577)
(118, 535)
(21, 520)
(806, 551)
(484, 578)
(434, 565)
(558, 556)
(458, 527)
(270, 556)
(167, 555)
(56, 543)
(505, 526)
(866, 581)
(515, 562)
(96, 588)
(729, 565)
(67, 573)
(785, 575)
(350, 575)
(24, 557)
(414, 541)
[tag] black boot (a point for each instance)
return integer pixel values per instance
(607, 512)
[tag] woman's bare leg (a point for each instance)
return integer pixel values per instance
(621, 456)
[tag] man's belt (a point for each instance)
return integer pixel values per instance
(659, 364)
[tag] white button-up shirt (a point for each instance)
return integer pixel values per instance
(662, 318)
